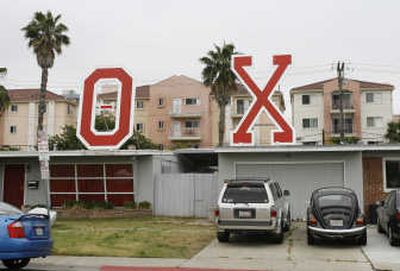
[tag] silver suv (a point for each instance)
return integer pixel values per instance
(252, 205)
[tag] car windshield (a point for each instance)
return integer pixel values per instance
(245, 194)
(7, 209)
(337, 200)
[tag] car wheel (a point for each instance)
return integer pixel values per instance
(288, 222)
(280, 236)
(223, 237)
(310, 239)
(393, 241)
(16, 264)
(379, 227)
(362, 241)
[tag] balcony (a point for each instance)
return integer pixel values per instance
(185, 134)
(347, 108)
(184, 113)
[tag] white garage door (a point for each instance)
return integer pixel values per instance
(300, 179)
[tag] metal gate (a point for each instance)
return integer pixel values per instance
(185, 194)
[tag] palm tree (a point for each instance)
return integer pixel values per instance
(4, 99)
(46, 35)
(218, 76)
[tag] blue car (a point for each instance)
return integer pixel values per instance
(22, 236)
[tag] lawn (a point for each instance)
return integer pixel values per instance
(159, 237)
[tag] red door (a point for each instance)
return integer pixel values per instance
(14, 180)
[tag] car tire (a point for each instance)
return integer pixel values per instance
(223, 237)
(16, 264)
(379, 228)
(280, 236)
(362, 241)
(310, 239)
(393, 241)
(286, 228)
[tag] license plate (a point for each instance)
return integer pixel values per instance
(245, 214)
(336, 223)
(39, 231)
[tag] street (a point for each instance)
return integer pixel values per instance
(251, 253)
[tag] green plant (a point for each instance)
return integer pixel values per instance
(347, 140)
(145, 205)
(393, 132)
(130, 205)
(217, 75)
(67, 140)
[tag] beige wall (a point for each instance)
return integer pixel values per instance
(25, 120)
(179, 88)
(141, 115)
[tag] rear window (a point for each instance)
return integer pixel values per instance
(335, 200)
(245, 194)
(7, 209)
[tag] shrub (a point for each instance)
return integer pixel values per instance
(88, 204)
(144, 205)
(130, 205)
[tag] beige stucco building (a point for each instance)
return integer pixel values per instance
(367, 109)
(19, 121)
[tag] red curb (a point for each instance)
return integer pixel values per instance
(133, 268)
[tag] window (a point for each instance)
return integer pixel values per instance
(139, 104)
(191, 101)
(14, 108)
(374, 121)
(305, 99)
(310, 123)
(369, 97)
(160, 102)
(192, 124)
(347, 100)
(69, 109)
(243, 193)
(348, 125)
(392, 177)
(13, 129)
(139, 127)
(160, 124)
(242, 105)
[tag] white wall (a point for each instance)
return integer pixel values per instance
(313, 110)
(381, 108)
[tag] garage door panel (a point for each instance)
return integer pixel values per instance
(300, 179)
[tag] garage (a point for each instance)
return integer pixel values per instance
(300, 178)
(300, 169)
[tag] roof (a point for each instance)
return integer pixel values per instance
(141, 92)
(363, 85)
(24, 95)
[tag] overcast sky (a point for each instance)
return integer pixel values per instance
(156, 39)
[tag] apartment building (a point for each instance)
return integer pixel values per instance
(19, 121)
(235, 110)
(316, 111)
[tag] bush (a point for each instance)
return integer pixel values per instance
(347, 140)
(88, 204)
(130, 205)
(144, 205)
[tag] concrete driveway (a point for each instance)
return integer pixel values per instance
(380, 253)
(255, 252)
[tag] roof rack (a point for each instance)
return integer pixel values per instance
(248, 179)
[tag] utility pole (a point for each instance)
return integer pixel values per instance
(340, 72)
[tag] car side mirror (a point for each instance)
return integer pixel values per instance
(286, 193)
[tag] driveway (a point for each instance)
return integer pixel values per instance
(255, 252)
(380, 253)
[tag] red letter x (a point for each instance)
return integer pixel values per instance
(261, 101)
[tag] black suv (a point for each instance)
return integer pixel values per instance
(389, 217)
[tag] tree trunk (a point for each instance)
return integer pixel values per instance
(221, 125)
(42, 101)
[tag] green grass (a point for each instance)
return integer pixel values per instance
(132, 237)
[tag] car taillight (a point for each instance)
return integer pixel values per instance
(216, 213)
(313, 220)
(398, 216)
(274, 213)
(360, 221)
(16, 230)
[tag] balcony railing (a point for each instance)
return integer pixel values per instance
(184, 112)
(185, 134)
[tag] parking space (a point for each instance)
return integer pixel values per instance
(256, 253)
(380, 253)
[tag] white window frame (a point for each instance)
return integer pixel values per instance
(191, 98)
(309, 99)
(374, 122)
(140, 124)
(161, 102)
(14, 106)
(310, 121)
(139, 102)
(162, 127)
(397, 159)
(15, 130)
